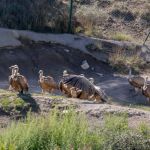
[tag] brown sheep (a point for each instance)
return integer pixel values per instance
(136, 81)
(47, 83)
(87, 89)
(146, 90)
(18, 82)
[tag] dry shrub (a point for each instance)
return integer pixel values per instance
(38, 15)
(121, 37)
(90, 17)
(120, 59)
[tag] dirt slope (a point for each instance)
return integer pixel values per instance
(54, 58)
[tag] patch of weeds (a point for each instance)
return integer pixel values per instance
(120, 59)
(144, 129)
(121, 37)
(9, 103)
(71, 131)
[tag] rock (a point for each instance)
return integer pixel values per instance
(93, 68)
(100, 74)
(85, 65)
(67, 50)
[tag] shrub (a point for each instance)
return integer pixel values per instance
(121, 37)
(39, 15)
(90, 17)
(120, 59)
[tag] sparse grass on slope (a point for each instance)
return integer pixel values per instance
(10, 102)
(70, 131)
(121, 37)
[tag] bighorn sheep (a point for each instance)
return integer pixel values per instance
(47, 83)
(85, 89)
(146, 90)
(136, 81)
(18, 82)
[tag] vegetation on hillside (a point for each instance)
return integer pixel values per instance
(98, 18)
(71, 131)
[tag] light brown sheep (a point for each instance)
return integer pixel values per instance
(47, 83)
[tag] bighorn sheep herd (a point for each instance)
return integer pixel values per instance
(73, 86)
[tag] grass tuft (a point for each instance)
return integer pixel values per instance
(121, 37)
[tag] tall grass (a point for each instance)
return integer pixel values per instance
(67, 131)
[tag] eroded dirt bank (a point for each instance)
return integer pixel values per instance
(54, 58)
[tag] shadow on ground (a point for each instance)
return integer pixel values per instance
(31, 101)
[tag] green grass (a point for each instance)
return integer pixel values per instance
(9, 102)
(71, 131)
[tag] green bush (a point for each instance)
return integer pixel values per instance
(69, 131)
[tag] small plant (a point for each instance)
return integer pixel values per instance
(144, 129)
(121, 37)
